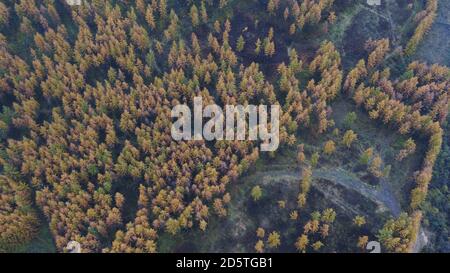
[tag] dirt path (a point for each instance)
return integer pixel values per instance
(388, 18)
(382, 195)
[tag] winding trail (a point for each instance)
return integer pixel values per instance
(388, 18)
(383, 195)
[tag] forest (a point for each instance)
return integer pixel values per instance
(86, 152)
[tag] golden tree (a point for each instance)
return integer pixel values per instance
(273, 241)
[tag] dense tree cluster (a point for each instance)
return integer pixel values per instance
(398, 235)
(86, 95)
(18, 220)
(93, 108)
(309, 108)
(424, 20)
(418, 110)
(299, 14)
(425, 88)
(436, 208)
(4, 15)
